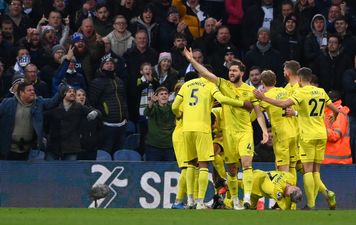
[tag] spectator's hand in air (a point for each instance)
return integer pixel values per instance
(264, 137)
(218, 24)
(181, 26)
(66, 21)
(248, 106)
(70, 54)
(92, 115)
(154, 98)
(188, 54)
(99, 38)
(259, 95)
(43, 20)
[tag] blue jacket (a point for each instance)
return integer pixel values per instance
(7, 119)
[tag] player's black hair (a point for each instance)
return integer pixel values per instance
(190, 76)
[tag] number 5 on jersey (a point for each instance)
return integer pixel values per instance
(194, 97)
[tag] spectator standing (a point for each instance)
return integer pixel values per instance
(210, 27)
(21, 119)
(164, 73)
(90, 131)
(146, 21)
(288, 42)
(41, 88)
(48, 70)
(235, 17)
(217, 49)
(333, 13)
(330, 65)
(20, 21)
(305, 10)
(63, 124)
(67, 73)
(348, 40)
(161, 123)
(107, 94)
(169, 27)
(134, 57)
(277, 24)
(120, 38)
(265, 56)
(257, 16)
(102, 21)
(316, 40)
(179, 62)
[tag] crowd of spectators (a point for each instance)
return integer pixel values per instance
(75, 74)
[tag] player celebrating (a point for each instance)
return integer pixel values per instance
(283, 129)
(197, 97)
(278, 185)
(237, 129)
(311, 102)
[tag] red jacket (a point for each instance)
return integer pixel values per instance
(235, 11)
(338, 150)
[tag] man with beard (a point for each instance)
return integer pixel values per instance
(7, 30)
(107, 93)
(85, 58)
(237, 131)
(179, 62)
(102, 21)
(63, 124)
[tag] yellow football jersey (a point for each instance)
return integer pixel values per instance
(311, 102)
(237, 118)
(291, 89)
(197, 98)
(217, 129)
(282, 126)
(279, 180)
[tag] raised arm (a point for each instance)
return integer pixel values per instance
(204, 72)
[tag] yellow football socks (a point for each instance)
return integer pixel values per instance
(247, 179)
(309, 188)
(232, 184)
(203, 182)
(321, 186)
(190, 179)
(182, 185)
(196, 182)
(218, 164)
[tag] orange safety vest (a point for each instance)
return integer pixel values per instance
(338, 150)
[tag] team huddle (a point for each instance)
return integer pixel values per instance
(224, 136)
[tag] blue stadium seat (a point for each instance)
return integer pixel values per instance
(127, 155)
(102, 155)
(36, 154)
(132, 141)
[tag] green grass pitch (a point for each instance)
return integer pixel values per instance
(74, 216)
